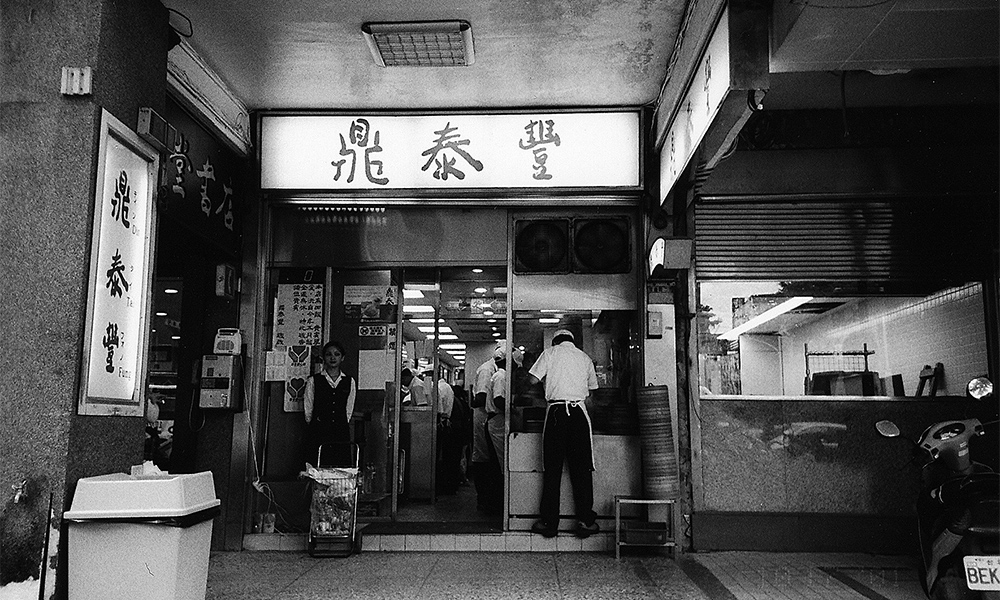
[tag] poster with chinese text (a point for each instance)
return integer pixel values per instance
(298, 315)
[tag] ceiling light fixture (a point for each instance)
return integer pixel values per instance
(765, 316)
(420, 43)
(443, 336)
(418, 308)
(430, 329)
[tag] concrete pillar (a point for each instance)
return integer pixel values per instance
(48, 160)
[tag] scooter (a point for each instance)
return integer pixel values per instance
(958, 510)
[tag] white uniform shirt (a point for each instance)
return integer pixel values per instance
(498, 387)
(483, 375)
(446, 395)
(568, 372)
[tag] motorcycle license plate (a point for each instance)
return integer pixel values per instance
(982, 572)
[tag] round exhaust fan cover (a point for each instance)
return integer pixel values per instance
(541, 246)
(601, 246)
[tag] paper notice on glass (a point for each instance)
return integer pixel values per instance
(298, 315)
(299, 368)
(275, 365)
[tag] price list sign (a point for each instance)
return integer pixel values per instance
(298, 315)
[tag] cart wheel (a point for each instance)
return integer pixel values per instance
(357, 542)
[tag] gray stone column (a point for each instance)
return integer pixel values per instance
(48, 160)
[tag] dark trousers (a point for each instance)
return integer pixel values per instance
(567, 440)
(484, 474)
(494, 474)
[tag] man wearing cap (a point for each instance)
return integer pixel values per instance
(496, 408)
(485, 472)
(569, 377)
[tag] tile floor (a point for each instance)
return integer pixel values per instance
(556, 574)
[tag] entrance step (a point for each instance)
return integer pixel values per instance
(491, 541)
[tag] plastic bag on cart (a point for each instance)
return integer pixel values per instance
(334, 500)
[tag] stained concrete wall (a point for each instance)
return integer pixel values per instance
(48, 158)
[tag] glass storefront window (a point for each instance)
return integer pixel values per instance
(770, 338)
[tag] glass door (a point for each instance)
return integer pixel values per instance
(452, 320)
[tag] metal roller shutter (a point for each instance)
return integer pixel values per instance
(865, 240)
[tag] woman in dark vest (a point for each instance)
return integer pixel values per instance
(329, 404)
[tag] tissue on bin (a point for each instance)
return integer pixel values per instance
(146, 469)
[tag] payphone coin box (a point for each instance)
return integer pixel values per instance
(220, 380)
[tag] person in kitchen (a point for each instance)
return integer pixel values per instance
(496, 409)
(329, 404)
(569, 376)
(485, 471)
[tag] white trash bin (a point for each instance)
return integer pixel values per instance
(146, 536)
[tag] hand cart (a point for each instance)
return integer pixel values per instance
(334, 507)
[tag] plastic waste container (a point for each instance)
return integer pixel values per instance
(145, 536)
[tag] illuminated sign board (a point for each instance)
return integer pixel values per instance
(527, 150)
(701, 103)
(120, 273)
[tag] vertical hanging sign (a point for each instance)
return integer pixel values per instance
(120, 273)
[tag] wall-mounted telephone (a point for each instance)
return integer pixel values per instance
(228, 341)
(220, 381)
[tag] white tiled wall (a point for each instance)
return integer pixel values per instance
(905, 334)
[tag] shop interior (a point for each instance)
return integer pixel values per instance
(402, 295)
(788, 339)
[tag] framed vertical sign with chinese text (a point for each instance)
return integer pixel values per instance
(114, 354)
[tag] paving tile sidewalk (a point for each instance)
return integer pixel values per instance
(560, 575)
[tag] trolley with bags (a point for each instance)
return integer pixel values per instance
(334, 506)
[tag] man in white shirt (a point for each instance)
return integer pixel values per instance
(569, 377)
(496, 408)
(485, 472)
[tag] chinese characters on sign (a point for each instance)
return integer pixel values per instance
(539, 134)
(446, 142)
(181, 163)
(358, 135)
(698, 108)
(119, 276)
(298, 315)
(594, 149)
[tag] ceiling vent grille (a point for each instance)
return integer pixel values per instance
(420, 44)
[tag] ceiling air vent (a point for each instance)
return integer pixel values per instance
(601, 245)
(541, 246)
(420, 43)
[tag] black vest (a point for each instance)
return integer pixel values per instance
(330, 403)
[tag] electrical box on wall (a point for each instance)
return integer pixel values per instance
(654, 324)
(225, 281)
(220, 381)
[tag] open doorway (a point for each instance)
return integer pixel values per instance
(453, 318)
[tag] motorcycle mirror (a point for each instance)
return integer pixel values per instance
(887, 429)
(980, 387)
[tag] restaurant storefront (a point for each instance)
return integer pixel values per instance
(418, 242)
